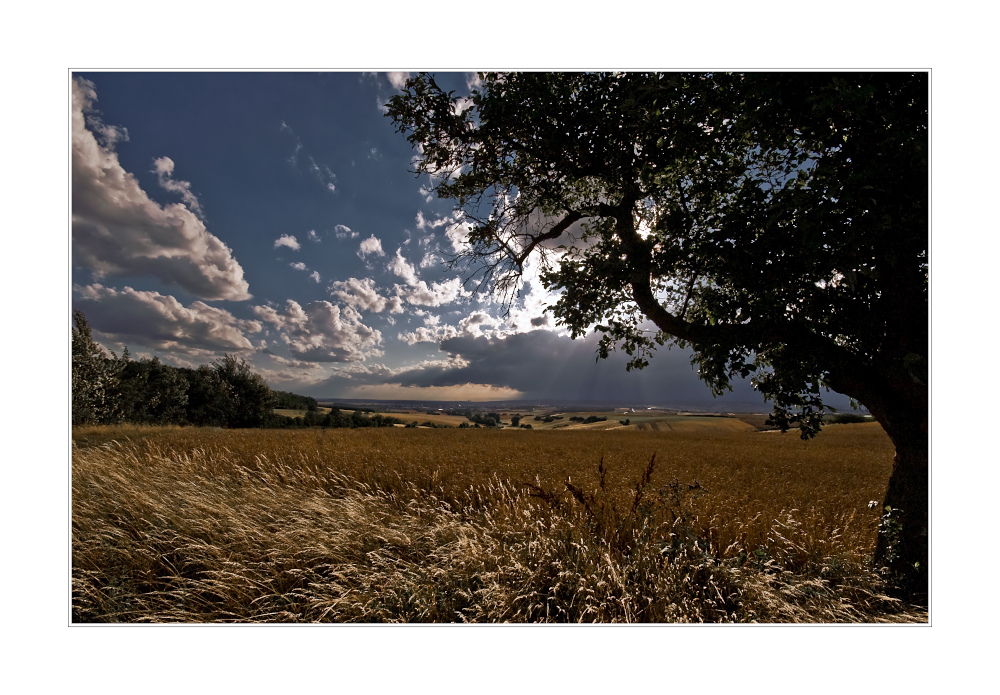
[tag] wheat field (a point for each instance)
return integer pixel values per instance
(175, 524)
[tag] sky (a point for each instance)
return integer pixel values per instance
(276, 216)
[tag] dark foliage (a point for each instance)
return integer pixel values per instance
(293, 401)
(847, 418)
(484, 419)
(96, 378)
(110, 389)
(153, 393)
(776, 223)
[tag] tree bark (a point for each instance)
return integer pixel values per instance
(903, 539)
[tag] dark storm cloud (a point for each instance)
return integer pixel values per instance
(543, 365)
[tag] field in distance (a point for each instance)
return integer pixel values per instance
(550, 419)
(405, 525)
(407, 416)
(642, 420)
(422, 416)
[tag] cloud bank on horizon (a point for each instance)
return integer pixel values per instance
(288, 230)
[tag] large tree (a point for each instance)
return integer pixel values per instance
(775, 223)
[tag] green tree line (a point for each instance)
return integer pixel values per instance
(293, 401)
(112, 389)
(336, 418)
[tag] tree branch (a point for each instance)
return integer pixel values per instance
(553, 233)
(854, 375)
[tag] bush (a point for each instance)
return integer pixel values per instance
(847, 418)
(485, 420)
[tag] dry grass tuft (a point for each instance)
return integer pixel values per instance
(196, 525)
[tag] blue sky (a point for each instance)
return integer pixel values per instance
(275, 216)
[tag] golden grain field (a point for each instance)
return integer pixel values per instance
(404, 525)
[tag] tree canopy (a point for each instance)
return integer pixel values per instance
(775, 223)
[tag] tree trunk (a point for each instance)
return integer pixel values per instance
(902, 545)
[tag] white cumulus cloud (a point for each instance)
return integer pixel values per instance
(428, 334)
(436, 294)
(161, 321)
(458, 234)
(369, 246)
(433, 331)
(119, 231)
(397, 79)
(164, 170)
(404, 269)
(322, 332)
(424, 223)
(430, 259)
(362, 294)
(417, 291)
(289, 241)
